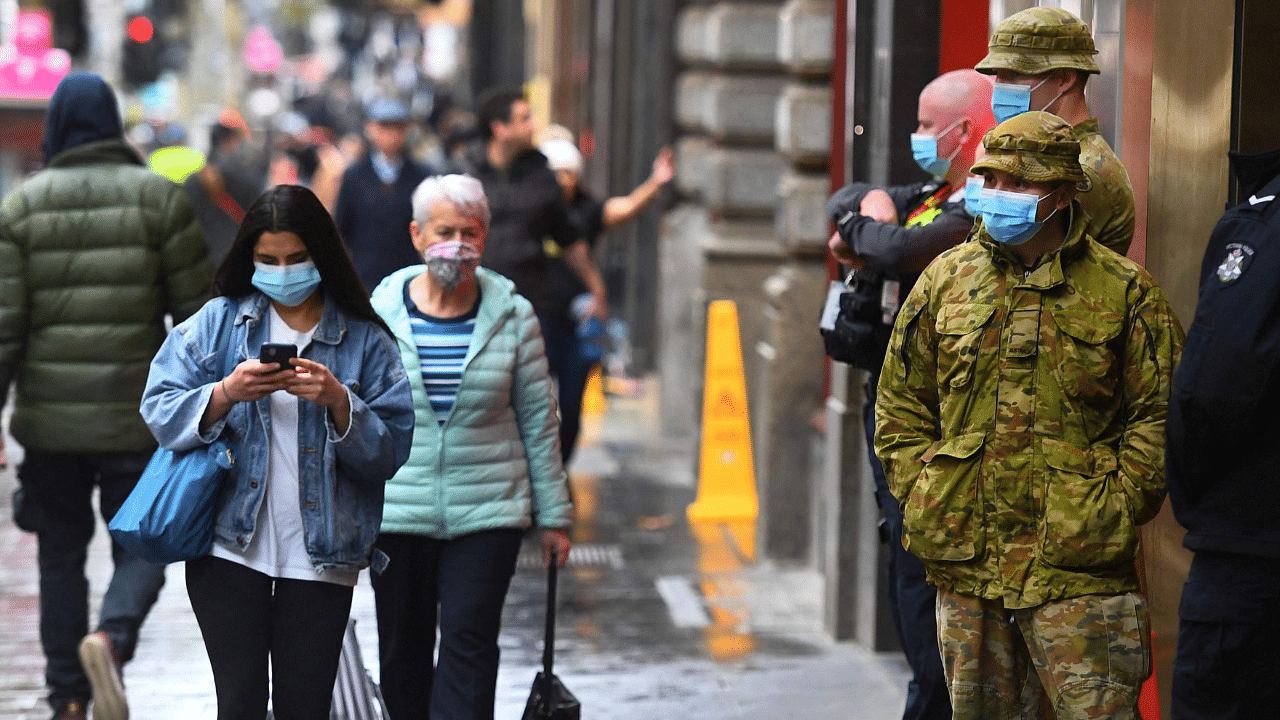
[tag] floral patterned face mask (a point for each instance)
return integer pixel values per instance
(451, 262)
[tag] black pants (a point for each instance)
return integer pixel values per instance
(571, 370)
(1228, 657)
(461, 583)
(912, 600)
(247, 617)
(57, 504)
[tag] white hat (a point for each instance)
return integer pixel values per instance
(562, 155)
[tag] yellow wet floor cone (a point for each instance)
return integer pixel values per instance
(726, 472)
(593, 402)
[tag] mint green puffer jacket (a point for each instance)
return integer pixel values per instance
(495, 463)
(94, 251)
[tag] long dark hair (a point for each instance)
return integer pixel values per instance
(295, 209)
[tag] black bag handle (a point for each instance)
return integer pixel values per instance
(549, 644)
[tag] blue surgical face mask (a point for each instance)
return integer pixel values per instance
(1011, 99)
(1010, 217)
(924, 148)
(288, 285)
(973, 195)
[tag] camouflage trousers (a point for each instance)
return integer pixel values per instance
(1082, 658)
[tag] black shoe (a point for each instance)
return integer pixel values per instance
(71, 711)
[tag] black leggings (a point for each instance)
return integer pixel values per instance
(246, 617)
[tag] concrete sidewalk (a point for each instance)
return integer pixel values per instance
(655, 620)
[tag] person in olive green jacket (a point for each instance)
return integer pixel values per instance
(1042, 58)
(1020, 419)
(94, 252)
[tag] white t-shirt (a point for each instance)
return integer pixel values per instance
(278, 547)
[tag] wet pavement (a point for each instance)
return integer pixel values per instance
(656, 618)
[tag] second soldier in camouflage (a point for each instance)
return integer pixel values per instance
(1020, 418)
(1049, 52)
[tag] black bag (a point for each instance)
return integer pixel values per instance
(550, 699)
(1228, 380)
(861, 329)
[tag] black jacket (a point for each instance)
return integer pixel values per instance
(898, 249)
(893, 252)
(374, 218)
(1222, 458)
(526, 206)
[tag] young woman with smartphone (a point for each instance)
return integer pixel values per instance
(314, 442)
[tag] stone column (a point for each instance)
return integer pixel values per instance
(752, 108)
(105, 19)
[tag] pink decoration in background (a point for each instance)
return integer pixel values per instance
(261, 51)
(30, 69)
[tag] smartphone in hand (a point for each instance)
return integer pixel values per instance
(278, 353)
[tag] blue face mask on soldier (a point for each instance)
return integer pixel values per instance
(288, 285)
(973, 196)
(924, 148)
(1010, 100)
(1010, 217)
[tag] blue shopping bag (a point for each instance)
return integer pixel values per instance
(169, 515)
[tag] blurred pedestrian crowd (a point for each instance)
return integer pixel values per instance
(458, 388)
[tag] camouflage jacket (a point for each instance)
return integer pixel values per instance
(1020, 418)
(1109, 197)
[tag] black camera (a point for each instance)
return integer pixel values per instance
(859, 335)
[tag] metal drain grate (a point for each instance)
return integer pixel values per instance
(582, 555)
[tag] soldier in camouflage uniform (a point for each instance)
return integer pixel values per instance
(1051, 51)
(1020, 418)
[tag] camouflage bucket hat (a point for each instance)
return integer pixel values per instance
(1037, 40)
(1036, 146)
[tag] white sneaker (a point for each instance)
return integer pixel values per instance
(98, 656)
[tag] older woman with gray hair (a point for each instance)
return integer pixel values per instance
(484, 467)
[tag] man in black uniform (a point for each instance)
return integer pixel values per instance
(890, 234)
(1221, 459)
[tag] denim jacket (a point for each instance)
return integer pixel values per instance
(341, 476)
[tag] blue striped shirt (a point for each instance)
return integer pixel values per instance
(442, 346)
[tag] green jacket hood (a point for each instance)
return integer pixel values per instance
(101, 152)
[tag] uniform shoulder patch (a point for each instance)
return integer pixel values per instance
(1237, 261)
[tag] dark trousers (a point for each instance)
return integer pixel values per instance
(461, 584)
(1228, 656)
(912, 600)
(571, 371)
(247, 617)
(57, 504)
